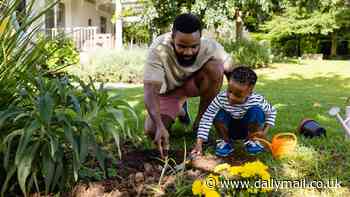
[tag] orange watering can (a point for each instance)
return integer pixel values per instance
(282, 144)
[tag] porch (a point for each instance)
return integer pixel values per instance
(85, 38)
(87, 22)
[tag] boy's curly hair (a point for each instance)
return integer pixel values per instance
(244, 75)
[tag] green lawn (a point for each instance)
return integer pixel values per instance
(298, 91)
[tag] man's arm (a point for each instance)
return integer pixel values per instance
(151, 99)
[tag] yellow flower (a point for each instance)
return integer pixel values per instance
(235, 170)
(265, 175)
(259, 165)
(247, 173)
(197, 187)
(256, 168)
(221, 167)
(212, 193)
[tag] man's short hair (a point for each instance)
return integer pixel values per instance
(244, 75)
(187, 23)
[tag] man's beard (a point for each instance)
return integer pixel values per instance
(185, 62)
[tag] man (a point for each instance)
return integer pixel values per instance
(180, 64)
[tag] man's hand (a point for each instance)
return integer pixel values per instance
(197, 150)
(162, 140)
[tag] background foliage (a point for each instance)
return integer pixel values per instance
(61, 53)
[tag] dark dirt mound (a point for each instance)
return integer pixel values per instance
(140, 170)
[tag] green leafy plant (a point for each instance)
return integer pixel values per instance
(248, 52)
(136, 33)
(48, 125)
(61, 52)
(20, 50)
(55, 127)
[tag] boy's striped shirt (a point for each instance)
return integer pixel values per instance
(237, 111)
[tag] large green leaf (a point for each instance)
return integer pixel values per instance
(59, 169)
(9, 175)
(46, 105)
(6, 114)
(53, 145)
(8, 140)
(25, 141)
(68, 132)
(118, 116)
(75, 103)
(25, 164)
(84, 144)
(101, 157)
(48, 169)
(109, 127)
(125, 105)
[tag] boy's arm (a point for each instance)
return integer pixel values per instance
(205, 124)
(266, 129)
(207, 119)
(271, 113)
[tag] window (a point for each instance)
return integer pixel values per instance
(61, 15)
(60, 19)
(103, 25)
(50, 19)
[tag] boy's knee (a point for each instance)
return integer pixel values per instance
(222, 118)
(255, 115)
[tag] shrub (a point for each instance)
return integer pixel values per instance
(248, 52)
(54, 127)
(60, 52)
(113, 66)
(48, 125)
(136, 33)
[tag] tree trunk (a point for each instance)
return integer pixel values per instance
(239, 24)
(299, 46)
(334, 44)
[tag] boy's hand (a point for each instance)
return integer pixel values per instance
(197, 150)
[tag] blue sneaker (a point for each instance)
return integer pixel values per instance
(253, 147)
(223, 149)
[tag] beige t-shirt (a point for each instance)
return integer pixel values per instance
(162, 65)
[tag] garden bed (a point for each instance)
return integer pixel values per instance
(140, 171)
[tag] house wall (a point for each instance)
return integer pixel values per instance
(78, 12)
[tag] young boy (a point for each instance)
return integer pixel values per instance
(237, 113)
